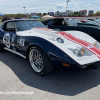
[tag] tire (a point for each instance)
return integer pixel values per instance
(39, 61)
(1, 48)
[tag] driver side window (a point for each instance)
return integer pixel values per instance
(10, 26)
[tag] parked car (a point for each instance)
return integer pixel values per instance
(89, 22)
(65, 24)
(6, 18)
(95, 20)
(18, 17)
(46, 48)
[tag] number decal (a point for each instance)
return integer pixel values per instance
(21, 42)
(6, 40)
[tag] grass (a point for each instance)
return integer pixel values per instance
(0, 20)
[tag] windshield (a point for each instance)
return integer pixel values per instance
(73, 22)
(92, 22)
(28, 25)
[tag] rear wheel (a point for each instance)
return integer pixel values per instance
(39, 61)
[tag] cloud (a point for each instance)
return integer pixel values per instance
(88, 5)
(88, 8)
(36, 8)
(33, 8)
(42, 7)
(96, 8)
(76, 4)
(97, 1)
(76, 8)
(50, 7)
(61, 6)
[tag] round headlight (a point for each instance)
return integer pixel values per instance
(79, 52)
(82, 51)
(97, 44)
(60, 40)
(76, 52)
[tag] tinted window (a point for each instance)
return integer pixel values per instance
(72, 22)
(92, 22)
(58, 22)
(50, 22)
(10, 26)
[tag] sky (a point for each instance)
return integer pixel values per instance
(44, 6)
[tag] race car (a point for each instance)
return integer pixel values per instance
(46, 48)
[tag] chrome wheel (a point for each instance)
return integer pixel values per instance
(36, 60)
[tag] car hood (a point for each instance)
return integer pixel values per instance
(53, 34)
(69, 45)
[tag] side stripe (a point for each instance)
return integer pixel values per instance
(15, 52)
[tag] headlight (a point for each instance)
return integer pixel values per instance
(60, 40)
(80, 52)
(97, 44)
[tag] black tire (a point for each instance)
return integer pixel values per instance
(39, 58)
(1, 48)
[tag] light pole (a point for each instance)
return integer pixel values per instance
(24, 11)
(67, 6)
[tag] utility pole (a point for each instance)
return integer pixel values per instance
(67, 6)
(24, 11)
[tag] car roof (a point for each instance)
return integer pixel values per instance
(21, 20)
(61, 18)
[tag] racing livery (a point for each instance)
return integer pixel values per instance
(46, 48)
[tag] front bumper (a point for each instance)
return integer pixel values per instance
(95, 65)
(76, 67)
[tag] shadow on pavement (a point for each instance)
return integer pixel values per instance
(58, 82)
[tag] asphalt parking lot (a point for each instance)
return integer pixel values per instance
(16, 75)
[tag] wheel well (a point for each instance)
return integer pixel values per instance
(29, 49)
(27, 57)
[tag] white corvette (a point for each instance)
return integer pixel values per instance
(46, 48)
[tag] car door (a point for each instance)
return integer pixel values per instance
(9, 35)
(11, 40)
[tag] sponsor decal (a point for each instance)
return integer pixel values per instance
(21, 42)
(6, 40)
(90, 46)
(13, 38)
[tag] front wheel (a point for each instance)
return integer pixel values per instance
(39, 61)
